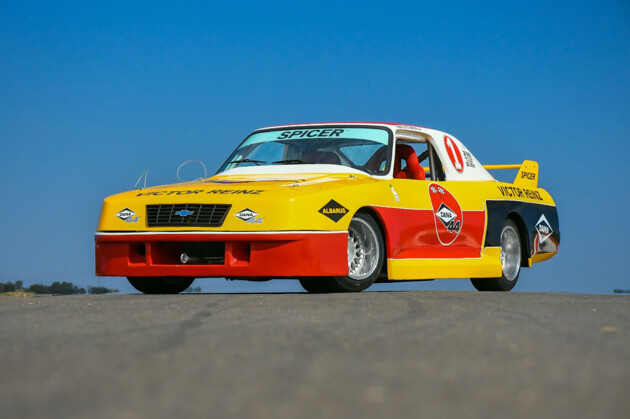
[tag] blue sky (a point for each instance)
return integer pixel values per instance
(91, 95)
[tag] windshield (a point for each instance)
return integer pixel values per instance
(365, 149)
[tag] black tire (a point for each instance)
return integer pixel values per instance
(315, 285)
(364, 264)
(161, 285)
(510, 261)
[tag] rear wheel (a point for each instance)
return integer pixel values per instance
(510, 262)
(366, 253)
(160, 284)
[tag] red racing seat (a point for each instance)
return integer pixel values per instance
(413, 169)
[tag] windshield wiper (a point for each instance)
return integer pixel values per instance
(290, 161)
(256, 162)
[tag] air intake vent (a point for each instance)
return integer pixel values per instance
(187, 215)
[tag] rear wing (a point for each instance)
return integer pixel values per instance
(527, 176)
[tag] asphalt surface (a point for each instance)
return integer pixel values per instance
(372, 354)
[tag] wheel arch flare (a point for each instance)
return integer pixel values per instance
(524, 237)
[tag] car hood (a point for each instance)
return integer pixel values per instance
(250, 181)
(284, 201)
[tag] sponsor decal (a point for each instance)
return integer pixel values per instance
(515, 192)
(333, 210)
(454, 154)
(249, 216)
(184, 213)
(544, 229)
(468, 159)
(395, 194)
(528, 175)
(409, 127)
(201, 191)
(327, 132)
(448, 215)
(163, 193)
(448, 218)
(236, 191)
(128, 216)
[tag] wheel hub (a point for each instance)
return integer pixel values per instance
(510, 253)
(362, 250)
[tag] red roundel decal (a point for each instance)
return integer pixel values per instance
(447, 214)
(454, 154)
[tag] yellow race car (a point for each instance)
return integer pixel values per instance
(338, 206)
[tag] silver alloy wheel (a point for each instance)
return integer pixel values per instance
(363, 249)
(510, 253)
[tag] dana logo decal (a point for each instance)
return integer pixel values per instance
(454, 154)
(448, 218)
(249, 216)
(448, 215)
(334, 210)
(544, 229)
(127, 216)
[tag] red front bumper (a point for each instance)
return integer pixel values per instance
(282, 254)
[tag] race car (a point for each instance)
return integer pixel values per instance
(337, 206)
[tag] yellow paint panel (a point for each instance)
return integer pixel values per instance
(487, 266)
(501, 166)
(541, 257)
(527, 176)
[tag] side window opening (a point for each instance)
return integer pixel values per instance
(407, 160)
(411, 160)
(437, 170)
(426, 157)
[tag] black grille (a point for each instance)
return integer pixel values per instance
(187, 215)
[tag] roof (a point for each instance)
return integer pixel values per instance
(393, 124)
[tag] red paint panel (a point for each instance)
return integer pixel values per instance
(279, 255)
(411, 234)
(448, 214)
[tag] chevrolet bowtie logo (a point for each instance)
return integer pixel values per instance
(183, 213)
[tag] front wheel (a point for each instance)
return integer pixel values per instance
(160, 284)
(366, 253)
(510, 262)
(315, 285)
